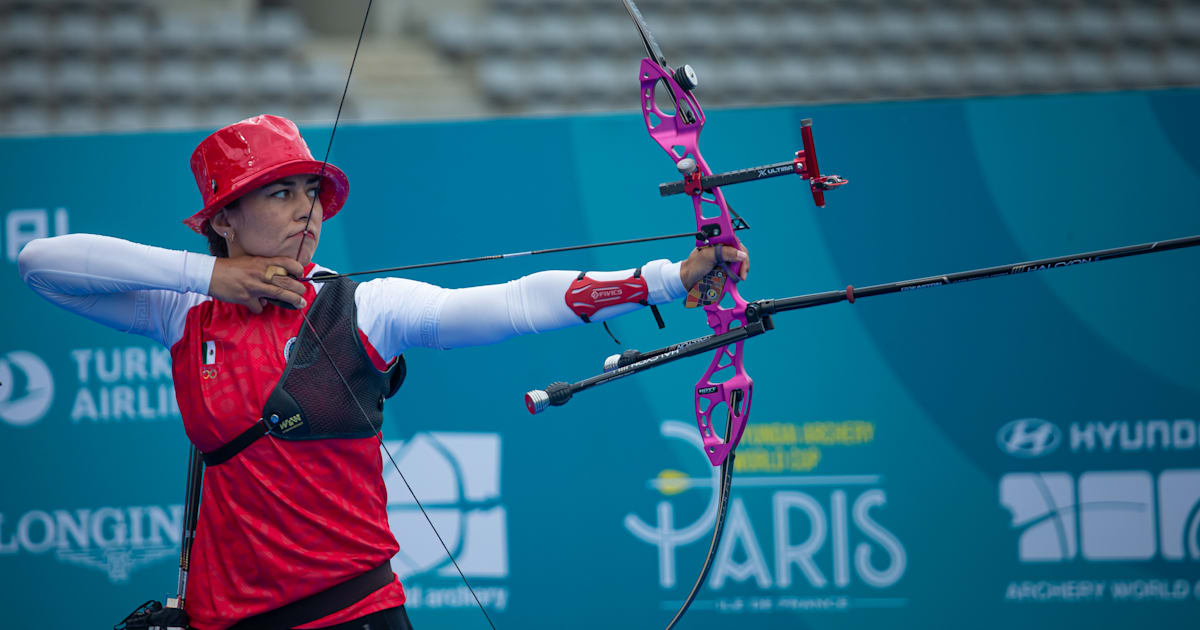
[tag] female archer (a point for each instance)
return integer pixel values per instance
(292, 530)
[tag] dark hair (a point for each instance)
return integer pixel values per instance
(217, 245)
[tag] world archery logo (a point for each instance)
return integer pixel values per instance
(1104, 515)
(457, 478)
(1028, 438)
(26, 388)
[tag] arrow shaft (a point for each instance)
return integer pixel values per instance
(533, 252)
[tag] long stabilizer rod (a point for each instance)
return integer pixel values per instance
(851, 294)
(759, 321)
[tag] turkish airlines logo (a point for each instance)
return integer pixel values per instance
(1029, 437)
(26, 388)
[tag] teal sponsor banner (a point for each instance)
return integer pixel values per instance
(1016, 452)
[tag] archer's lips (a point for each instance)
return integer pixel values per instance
(306, 234)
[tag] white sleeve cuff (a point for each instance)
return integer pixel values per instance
(197, 272)
(663, 281)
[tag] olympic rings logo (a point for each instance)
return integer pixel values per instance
(208, 373)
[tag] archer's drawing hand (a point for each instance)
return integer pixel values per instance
(250, 281)
(703, 259)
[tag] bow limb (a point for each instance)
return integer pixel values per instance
(718, 528)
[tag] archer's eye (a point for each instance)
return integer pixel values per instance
(280, 194)
(313, 192)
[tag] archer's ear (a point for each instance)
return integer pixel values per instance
(220, 221)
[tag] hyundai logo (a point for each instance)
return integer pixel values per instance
(1029, 438)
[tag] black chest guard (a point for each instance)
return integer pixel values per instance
(310, 402)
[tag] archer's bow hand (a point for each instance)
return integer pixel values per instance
(703, 260)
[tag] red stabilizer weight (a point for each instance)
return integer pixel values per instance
(850, 293)
(585, 296)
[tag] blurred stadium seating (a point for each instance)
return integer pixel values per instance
(88, 66)
(72, 66)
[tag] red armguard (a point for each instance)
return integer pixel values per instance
(585, 296)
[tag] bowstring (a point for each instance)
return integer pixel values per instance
(378, 432)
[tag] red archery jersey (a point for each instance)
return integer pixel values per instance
(284, 519)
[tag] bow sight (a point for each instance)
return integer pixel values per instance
(804, 165)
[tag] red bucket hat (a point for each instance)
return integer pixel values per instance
(252, 153)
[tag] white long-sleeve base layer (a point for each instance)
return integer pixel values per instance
(149, 290)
